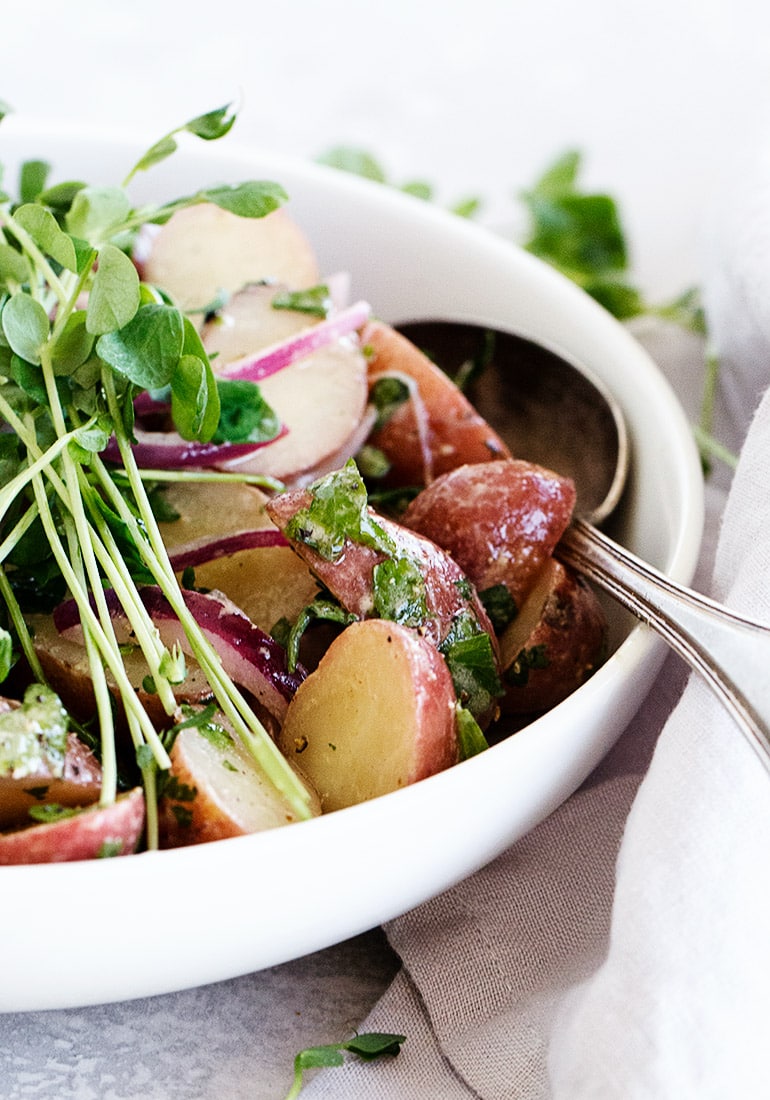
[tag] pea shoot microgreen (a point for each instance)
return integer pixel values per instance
(80, 337)
(368, 1046)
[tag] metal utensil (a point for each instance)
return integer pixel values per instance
(547, 408)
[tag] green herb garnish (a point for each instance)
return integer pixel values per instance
(69, 373)
(338, 511)
(315, 301)
(367, 1047)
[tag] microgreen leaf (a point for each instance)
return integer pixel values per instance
(44, 230)
(367, 1046)
(32, 179)
(148, 348)
(114, 297)
(252, 199)
(6, 653)
(96, 212)
(194, 398)
(73, 344)
(14, 266)
(25, 326)
(210, 126)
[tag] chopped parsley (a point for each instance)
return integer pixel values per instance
(500, 605)
(315, 300)
(528, 660)
(399, 592)
(338, 511)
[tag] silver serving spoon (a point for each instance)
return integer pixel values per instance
(539, 403)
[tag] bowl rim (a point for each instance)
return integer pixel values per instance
(152, 878)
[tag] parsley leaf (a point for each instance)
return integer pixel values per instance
(338, 511)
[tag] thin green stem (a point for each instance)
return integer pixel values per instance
(102, 695)
(110, 655)
(246, 724)
(20, 626)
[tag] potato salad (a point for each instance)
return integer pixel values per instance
(261, 558)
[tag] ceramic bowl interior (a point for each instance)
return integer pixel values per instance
(157, 922)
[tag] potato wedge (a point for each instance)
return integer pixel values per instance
(377, 714)
(445, 431)
(204, 250)
(78, 785)
(350, 577)
(555, 643)
(500, 521)
(94, 832)
(216, 790)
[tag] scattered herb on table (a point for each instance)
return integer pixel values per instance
(368, 1047)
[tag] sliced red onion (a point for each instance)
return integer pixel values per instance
(261, 364)
(251, 658)
(168, 451)
(208, 549)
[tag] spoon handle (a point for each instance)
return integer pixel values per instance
(732, 653)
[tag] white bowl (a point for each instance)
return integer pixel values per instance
(77, 934)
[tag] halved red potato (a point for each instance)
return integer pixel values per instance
(216, 790)
(204, 250)
(377, 714)
(500, 520)
(434, 432)
(555, 643)
(350, 576)
(268, 583)
(92, 833)
(79, 784)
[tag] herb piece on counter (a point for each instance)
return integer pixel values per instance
(367, 1047)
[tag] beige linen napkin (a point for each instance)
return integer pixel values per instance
(622, 949)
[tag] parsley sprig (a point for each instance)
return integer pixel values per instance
(80, 337)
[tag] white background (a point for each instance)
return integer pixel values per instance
(476, 97)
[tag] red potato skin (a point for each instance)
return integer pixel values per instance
(500, 520)
(572, 633)
(80, 837)
(350, 577)
(455, 432)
